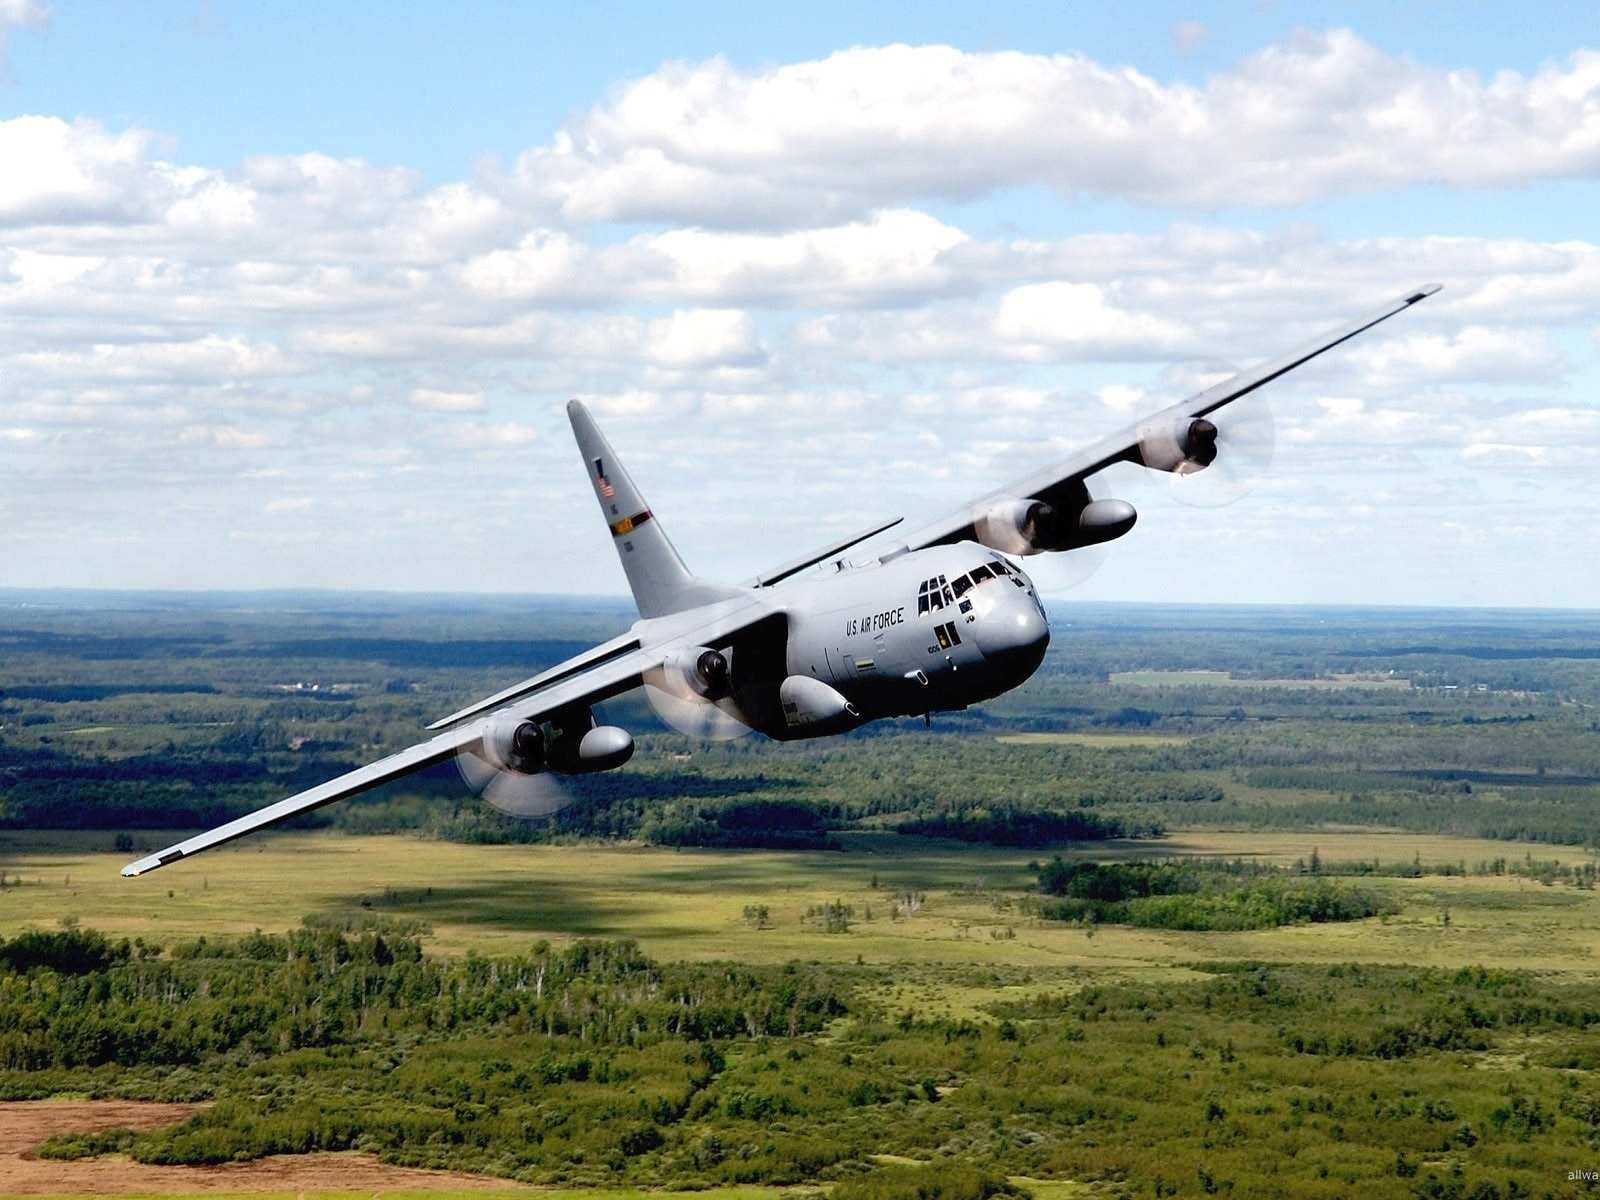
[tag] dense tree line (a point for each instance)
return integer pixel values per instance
(1007, 825)
(1193, 895)
(71, 999)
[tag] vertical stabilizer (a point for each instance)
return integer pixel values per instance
(661, 583)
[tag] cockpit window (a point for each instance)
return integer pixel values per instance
(933, 594)
(981, 574)
(1002, 568)
(960, 586)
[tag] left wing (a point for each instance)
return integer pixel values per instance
(610, 678)
(587, 679)
(1162, 441)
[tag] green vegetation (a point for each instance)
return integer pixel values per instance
(1200, 895)
(1263, 954)
(595, 1065)
(131, 713)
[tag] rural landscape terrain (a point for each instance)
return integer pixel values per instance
(1236, 901)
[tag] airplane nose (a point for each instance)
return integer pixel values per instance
(1014, 637)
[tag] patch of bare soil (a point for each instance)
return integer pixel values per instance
(26, 1123)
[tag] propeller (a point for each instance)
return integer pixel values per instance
(1011, 524)
(513, 792)
(1245, 438)
(1063, 570)
(691, 690)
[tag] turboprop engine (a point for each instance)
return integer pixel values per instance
(512, 744)
(1035, 527)
(703, 672)
(1183, 448)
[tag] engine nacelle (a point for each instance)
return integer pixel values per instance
(1183, 447)
(1024, 527)
(512, 744)
(1017, 527)
(704, 672)
(603, 748)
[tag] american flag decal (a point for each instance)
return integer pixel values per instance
(607, 492)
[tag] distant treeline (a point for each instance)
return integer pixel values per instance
(1007, 825)
(66, 693)
(171, 788)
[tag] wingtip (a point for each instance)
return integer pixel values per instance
(151, 861)
(1423, 292)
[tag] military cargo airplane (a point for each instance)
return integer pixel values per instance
(937, 618)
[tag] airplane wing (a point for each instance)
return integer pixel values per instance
(601, 655)
(597, 675)
(1152, 441)
(610, 678)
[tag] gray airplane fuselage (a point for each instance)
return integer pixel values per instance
(934, 630)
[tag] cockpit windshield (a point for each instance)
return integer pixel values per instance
(935, 593)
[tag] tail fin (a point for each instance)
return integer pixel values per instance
(661, 583)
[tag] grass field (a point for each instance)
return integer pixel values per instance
(970, 904)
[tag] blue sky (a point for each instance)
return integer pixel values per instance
(293, 294)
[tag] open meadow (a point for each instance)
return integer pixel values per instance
(1251, 902)
(968, 905)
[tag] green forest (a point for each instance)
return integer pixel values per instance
(593, 1065)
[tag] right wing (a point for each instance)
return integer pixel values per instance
(1062, 484)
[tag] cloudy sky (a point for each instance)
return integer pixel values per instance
(293, 294)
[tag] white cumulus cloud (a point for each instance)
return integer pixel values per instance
(1323, 114)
